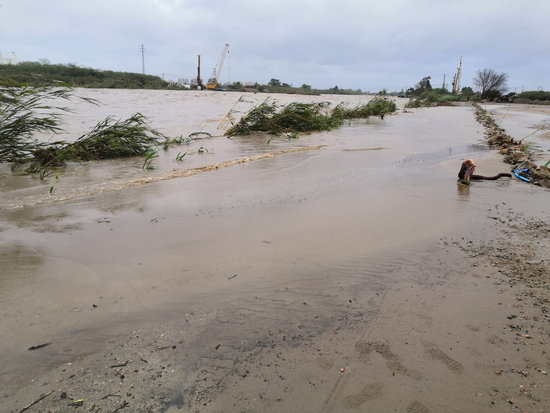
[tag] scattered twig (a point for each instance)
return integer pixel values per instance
(233, 276)
(122, 364)
(532, 133)
(39, 346)
(43, 396)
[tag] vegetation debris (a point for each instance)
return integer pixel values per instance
(515, 152)
(29, 110)
(109, 139)
(294, 118)
(24, 111)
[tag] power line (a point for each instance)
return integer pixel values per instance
(142, 58)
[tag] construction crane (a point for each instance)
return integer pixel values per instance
(213, 81)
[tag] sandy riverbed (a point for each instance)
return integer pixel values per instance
(355, 276)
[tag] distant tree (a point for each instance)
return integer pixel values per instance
(423, 87)
(441, 91)
(306, 87)
(383, 92)
(286, 85)
(334, 89)
(490, 83)
(535, 95)
(467, 92)
(409, 91)
(274, 83)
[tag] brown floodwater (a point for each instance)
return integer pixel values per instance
(528, 123)
(114, 246)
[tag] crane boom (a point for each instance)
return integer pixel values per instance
(213, 82)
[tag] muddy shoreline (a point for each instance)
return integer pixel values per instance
(474, 332)
(340, 279)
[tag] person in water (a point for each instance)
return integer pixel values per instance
(467, 172)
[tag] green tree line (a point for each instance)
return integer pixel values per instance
(38, 74)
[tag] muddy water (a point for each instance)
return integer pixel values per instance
(172, 113)
(356, 209)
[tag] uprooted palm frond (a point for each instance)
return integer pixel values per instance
(109, 139)
(305, 117)
(26, 111)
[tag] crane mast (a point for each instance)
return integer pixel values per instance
(213, 82)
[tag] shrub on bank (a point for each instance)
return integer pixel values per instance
(534, 95)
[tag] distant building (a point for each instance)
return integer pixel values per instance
(185, 83)
(11, 61)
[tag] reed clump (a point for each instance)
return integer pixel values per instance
(29, 110)
(109, 139)
(25, 111)
(376, 107)
(295, 117)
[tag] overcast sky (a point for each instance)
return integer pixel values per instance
(358, 44)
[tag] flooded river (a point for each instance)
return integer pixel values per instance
(272, 225)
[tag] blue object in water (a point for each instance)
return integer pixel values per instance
(523, 178)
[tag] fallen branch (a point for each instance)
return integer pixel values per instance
(532, 133)
(39, 346)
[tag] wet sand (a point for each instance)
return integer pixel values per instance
(355, 276)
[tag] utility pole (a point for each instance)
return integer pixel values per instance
(142, 58)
